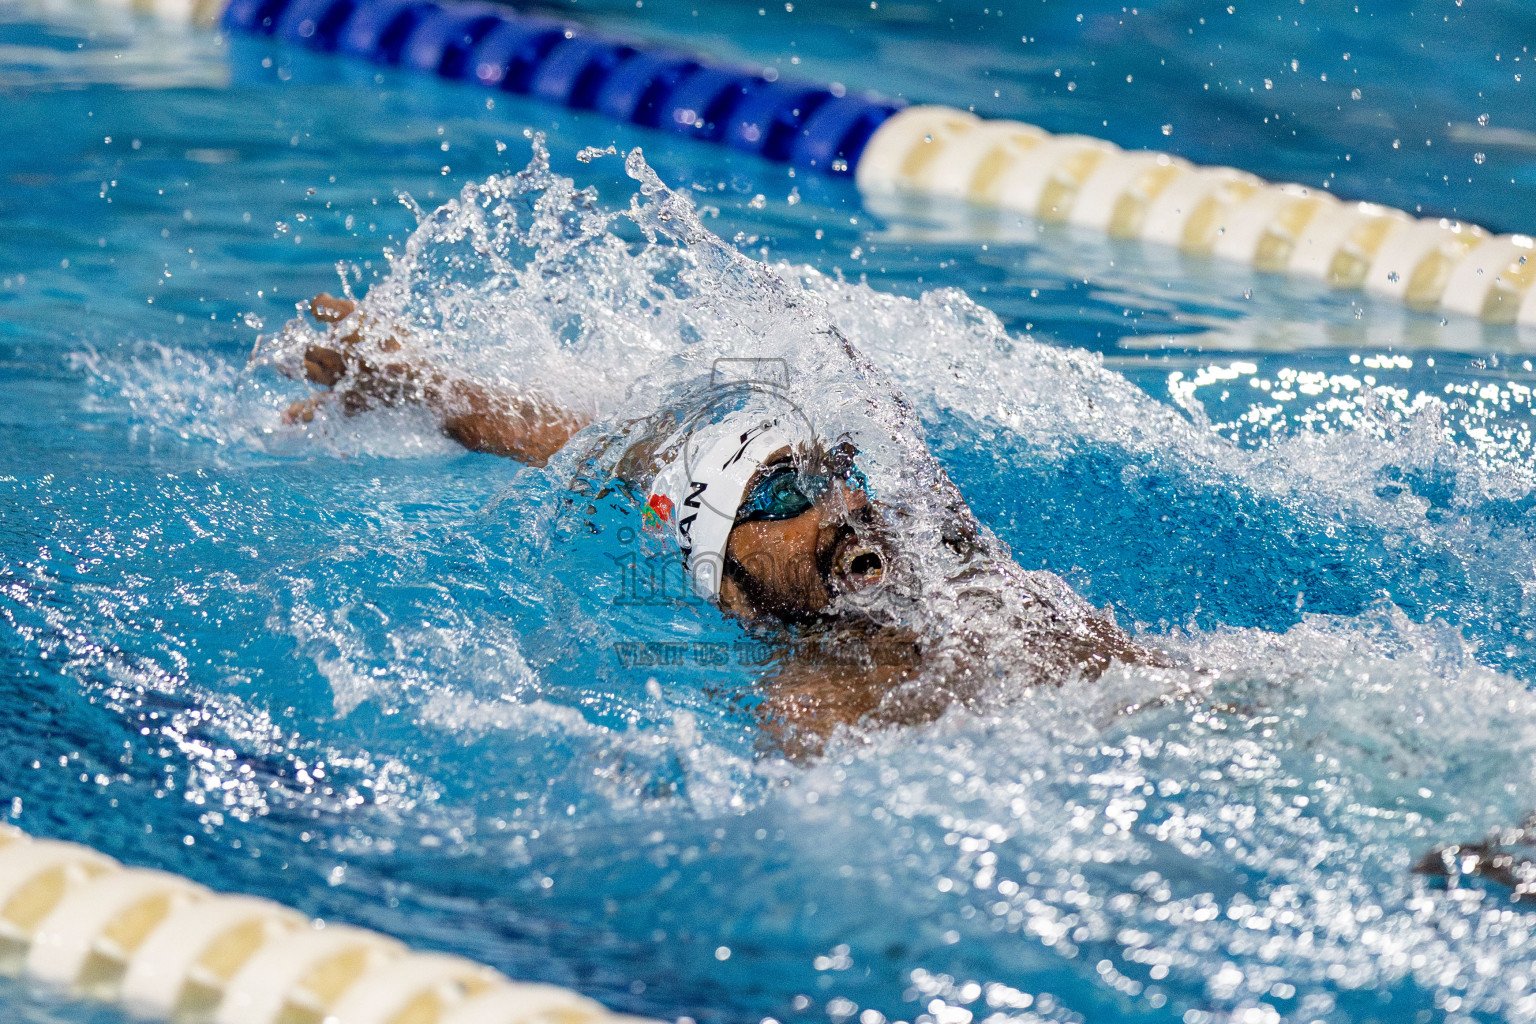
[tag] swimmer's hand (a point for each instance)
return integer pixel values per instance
(365, 371)
(351, 350)
(328, 365)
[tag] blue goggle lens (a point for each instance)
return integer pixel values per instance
(778, 495)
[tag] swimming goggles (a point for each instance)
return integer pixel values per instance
(779, 494)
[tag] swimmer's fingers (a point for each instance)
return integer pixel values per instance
(303, 411)
(348, 332)
(324, 366)
(328, 309)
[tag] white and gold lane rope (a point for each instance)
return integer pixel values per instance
(162, 946)
(1431, 264)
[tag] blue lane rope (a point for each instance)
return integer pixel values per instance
(898, 153)
(811, 126)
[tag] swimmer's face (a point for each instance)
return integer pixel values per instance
(792, 568)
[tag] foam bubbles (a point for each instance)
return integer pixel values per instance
(1229, 839)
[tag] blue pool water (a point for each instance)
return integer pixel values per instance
(357, 670)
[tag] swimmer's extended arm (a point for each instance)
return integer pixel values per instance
(380, 373)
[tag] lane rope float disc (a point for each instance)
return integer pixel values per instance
(162, 946)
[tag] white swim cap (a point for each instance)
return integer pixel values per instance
(699, 491)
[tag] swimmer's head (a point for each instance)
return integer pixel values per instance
(769, 523)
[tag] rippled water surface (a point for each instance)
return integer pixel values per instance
(358, 670)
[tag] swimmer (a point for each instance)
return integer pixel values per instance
(777, 530)
(1506, 857)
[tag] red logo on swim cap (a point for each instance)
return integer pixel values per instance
(658, 510)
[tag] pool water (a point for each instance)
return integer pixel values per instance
(355, 669)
